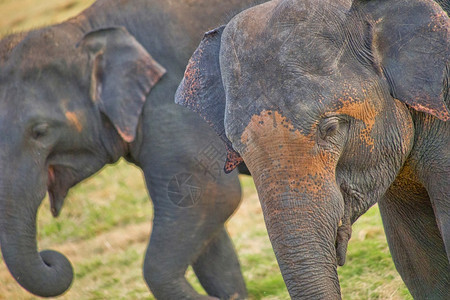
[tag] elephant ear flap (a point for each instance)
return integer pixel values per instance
(123, 73)
(202, 91)
(411, 43)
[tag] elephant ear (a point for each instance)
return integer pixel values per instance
(202, 91)
(410, 40)
(123, 73)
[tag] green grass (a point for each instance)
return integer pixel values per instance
(106, 221)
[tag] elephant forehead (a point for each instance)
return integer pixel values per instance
(248, 27)
(45, 49)
(12, 96)
(287, 48)
(22, 102)
(12, 111)
(297, 31)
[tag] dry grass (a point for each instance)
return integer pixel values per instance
(105, 224)
(27, 14)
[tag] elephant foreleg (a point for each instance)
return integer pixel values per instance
(190, 210)
(439, 191)
(171, 248)
(415, 241)
(218, 269)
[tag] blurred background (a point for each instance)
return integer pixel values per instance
(105, 224)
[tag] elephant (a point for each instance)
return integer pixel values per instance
(335, 106)
(100, 86)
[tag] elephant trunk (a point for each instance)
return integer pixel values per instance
(302, 230)
(302, 204)
(46, 274)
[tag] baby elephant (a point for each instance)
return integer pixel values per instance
(76, 96)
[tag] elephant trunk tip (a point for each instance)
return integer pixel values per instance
(54, 281)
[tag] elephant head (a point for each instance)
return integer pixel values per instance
(317, 98)
(69, 103)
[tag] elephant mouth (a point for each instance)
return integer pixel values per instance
(355, 204)
(344, 234)
(56, 193)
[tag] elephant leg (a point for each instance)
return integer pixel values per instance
(438, 187)
(218, 269)
(183, 231)
(182, 160)
(171, 248)
(415, 241)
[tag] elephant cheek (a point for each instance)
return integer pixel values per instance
(74, 121)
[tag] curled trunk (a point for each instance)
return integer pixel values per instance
(47, 273)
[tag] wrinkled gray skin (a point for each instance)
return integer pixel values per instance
(76, 96)
(335, 105)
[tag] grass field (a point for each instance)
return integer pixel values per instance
(105, 224)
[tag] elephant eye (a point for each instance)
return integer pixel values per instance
(40, 130)
(328, 127)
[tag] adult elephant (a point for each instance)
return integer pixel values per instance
(334, 106)
(76, 96)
